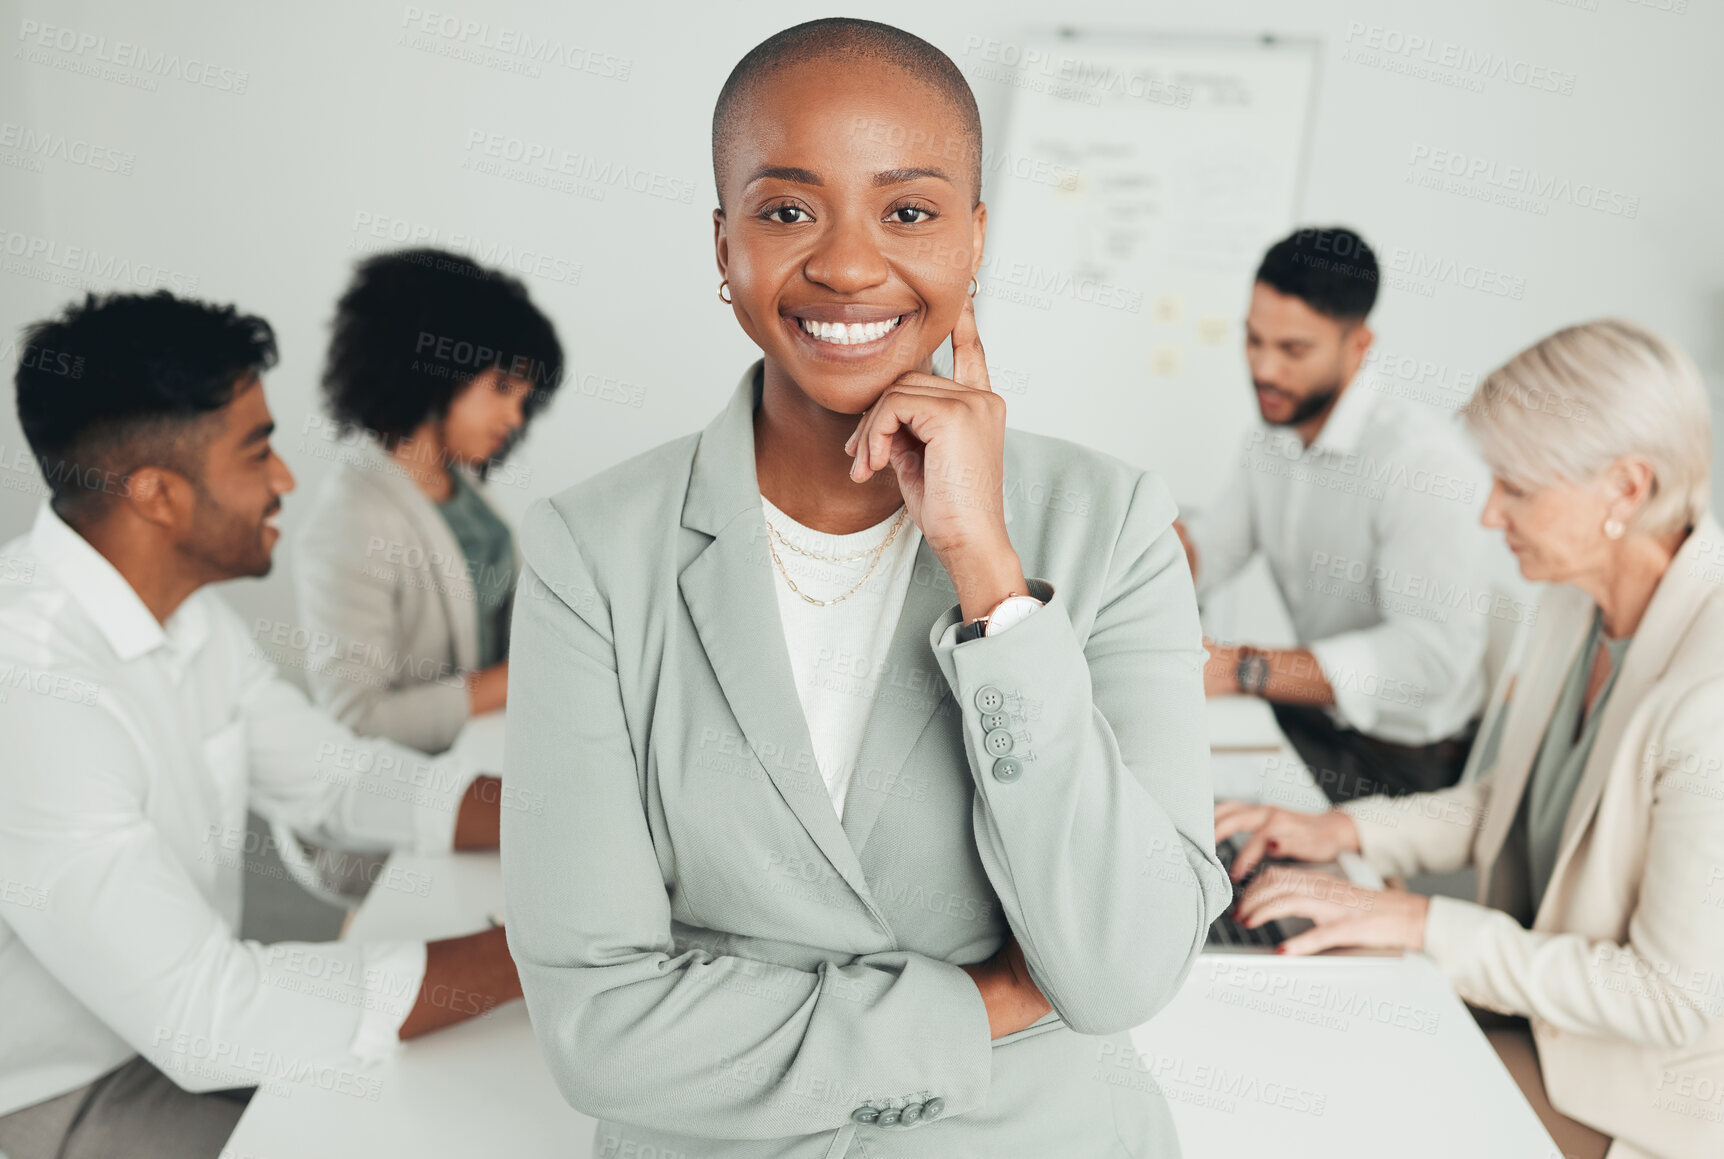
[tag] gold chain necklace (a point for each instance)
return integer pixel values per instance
(876, 552)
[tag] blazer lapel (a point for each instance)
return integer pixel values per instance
(1676, 601)
(1548, 661)
(728, 591)
(911, 688)
(454, 589)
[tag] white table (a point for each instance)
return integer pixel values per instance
(1257, 1056)
(1262, 1056)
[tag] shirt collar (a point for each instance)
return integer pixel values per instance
(1341, 433)
(110, 601)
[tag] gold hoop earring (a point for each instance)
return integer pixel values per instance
(974, 285)
(721, 289)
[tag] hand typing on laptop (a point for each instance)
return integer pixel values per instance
(1343, 914)
(1283, 833)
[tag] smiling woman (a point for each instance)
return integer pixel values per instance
(805, 650)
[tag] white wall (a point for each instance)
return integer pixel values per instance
(257, 195)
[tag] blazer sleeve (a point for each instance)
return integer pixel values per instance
(1420, 832)
(350, 612)
(1658, 988)
(713, 1045)
(1100, 841)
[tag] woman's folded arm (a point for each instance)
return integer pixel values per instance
(714, 1046)
(1095, 826)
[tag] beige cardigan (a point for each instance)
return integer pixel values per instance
(1622, 973)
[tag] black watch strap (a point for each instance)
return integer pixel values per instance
(971, 631)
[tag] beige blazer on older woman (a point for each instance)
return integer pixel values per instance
(1622, 973)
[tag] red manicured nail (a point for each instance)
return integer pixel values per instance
(1280, 949)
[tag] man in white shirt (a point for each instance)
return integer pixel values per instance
(139, 723)
(1366, 508)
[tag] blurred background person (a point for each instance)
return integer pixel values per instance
(1363, 505)
(140, 723)
(404, 569)
(1597, 820)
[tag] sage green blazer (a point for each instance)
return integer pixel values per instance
(714, 963)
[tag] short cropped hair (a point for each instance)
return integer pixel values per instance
(1330, 269)
(1568, 406)
(415, 326)
(847, 41)
(121, 382)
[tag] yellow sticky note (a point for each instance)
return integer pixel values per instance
(1166, 360)
(1169, 309)
(1212, 330)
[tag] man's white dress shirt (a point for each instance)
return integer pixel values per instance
(132, 749)
(1372, 536)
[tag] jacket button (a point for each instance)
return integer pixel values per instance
(994, 720)
(933, 1107)
(911, 1114)
(889, 1117)
(1008, 769)
(990, 699)
(865, 1114)
(998, 742)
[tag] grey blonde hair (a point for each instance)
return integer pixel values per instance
(1565, 408)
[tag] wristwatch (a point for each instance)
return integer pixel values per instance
(1000, 617)
(1252, 672)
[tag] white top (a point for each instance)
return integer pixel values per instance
(1372, 535)
(132, 750)
(838, 653)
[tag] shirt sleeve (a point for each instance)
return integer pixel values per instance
(313, 774)
(128, 932)
(1225, 534)
(393, 973)
(1429, 552)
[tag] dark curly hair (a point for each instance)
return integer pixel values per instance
(124, 381)
(415, 326)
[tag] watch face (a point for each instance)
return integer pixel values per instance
(1254, 672)
(1010, 611)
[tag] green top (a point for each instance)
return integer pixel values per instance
(1562, 757)
(490, 550)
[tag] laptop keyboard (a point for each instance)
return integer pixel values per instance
(1227, 932)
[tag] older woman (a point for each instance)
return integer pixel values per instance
(1597, 826)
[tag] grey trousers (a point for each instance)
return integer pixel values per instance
(134, 1110)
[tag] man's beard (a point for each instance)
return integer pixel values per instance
(1308, 407)
(230, 545)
